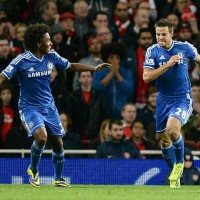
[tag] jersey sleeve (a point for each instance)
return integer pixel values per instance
(192, 52)
(12, 68)
(149, 59)
(60, 62)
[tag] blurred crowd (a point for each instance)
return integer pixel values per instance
(113, 110)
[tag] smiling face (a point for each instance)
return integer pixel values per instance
(164, 37)
(45, 45)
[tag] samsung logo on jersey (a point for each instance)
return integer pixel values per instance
(38, 74)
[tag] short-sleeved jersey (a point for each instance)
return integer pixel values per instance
(34, 77)
(175, 80)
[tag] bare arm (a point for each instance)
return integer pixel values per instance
(81, 67)
(198, 63)
(2, 78)
(152, 74)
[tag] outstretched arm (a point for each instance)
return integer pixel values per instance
(152, 74)
(2, 78)
(81, 67)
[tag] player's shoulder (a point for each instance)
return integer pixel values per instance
(21, 57)
(52, 52)
(179, 43)
(153, 47)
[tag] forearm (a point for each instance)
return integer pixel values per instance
(2, 78)
(152, 74)
(107, 79)
(197, 61)
(81, 67)
(119, 76)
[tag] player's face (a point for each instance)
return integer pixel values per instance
(164, 37)
(46, 43)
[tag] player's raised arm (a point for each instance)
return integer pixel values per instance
(2, 78)
(81, 67)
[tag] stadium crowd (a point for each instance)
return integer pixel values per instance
(113, 110)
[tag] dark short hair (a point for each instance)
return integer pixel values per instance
(91, 72)
(6, 86)
(151, 90)
(164, 23)
(144, 30)
(118, 122)
(115, 48)
(34, 35)
(100, 13)
(195, 83)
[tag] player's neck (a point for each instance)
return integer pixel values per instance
(168, 46)
(37, 55)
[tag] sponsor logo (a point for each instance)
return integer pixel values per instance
(38, 74)
(9, 68)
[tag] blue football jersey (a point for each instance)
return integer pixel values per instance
(175, 80)
(34, 77)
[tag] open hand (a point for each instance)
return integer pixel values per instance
(101, 66)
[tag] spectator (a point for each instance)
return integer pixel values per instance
(46, 13)
(100, 5)
(104, 135)
(173, 18)
(7, 29)
(150, 6)
(81, 24)
(57, 38)
(3, 12)
(17, 138)
(94, 57)
(191, 130)
(117, 147)
(100, 20)
(184, 32)
(59, 92)
(71, 140)
(8, 111)
(139, 140)
(18, 41)
(145, 40)
(105, 34)
(141, 19)
(89, 108)
(129, 114)
(5, 57)
(116, 82)
(71, 49)
(148, 114)
(121, 18)
(191, 174)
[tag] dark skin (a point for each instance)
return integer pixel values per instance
(40, 135)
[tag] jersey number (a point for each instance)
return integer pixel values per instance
(181, 113)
